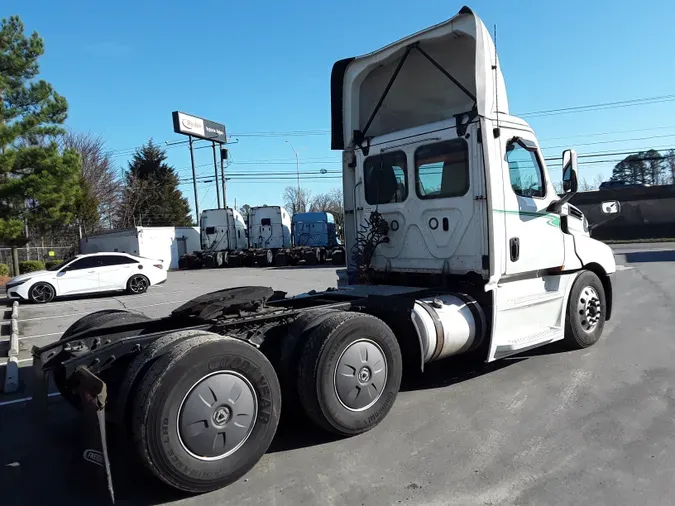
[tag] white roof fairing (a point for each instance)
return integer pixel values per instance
(421, 93)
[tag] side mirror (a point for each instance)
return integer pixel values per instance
(611, 207)
(569, 171)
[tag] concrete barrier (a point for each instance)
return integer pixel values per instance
(12, 366)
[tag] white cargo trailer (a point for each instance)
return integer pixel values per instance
(162, 243)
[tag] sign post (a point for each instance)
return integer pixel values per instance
(200, 128)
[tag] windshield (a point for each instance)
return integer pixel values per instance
(61, 264)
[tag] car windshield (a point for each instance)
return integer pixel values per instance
(61, 264)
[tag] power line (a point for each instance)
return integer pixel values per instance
(595, 107)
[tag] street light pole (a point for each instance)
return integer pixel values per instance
(297, 168)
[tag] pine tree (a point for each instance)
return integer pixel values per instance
(151, 195)
(39, 182)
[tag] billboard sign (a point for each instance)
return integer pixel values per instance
(198, 127)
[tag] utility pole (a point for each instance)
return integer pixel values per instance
(297, 168)
(223, 157)
(194, 178)
(215, 173)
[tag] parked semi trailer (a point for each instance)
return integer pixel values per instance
(223, 235)
(314, 241)
(458, 244)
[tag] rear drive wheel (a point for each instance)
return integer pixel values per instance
(349, 373)
(138, 284)
(269, 257)
(41, 293)
(206, 412)
(99, 320)
(338, 257)
(586, 311)
(291, 349)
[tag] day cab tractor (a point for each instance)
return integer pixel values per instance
(314, 241)
(458, 244)
(223, 235)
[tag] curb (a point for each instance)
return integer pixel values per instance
(12, 367)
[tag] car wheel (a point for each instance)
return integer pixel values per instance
(41, 293)
(138, 284)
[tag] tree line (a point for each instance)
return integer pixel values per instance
(57, 184)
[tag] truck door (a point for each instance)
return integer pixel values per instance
(533, 235)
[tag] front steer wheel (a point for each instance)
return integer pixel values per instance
(205, 412)
(586, 311)
(349, 373)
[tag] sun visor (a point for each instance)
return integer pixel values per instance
(430, 76)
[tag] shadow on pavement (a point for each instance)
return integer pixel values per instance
(305, 267)
(650, 256)
(42, 464)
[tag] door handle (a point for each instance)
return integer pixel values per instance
(514, 247)
(91, 272)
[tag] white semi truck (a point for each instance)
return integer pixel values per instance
(457, 243)
(223, 234)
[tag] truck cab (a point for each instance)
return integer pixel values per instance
(222, 230)
(269, 227)
(315, 229)
(442, 185)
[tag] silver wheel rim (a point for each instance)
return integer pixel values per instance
(43, 293)
(217, 415)
(589, 309)
(360, 375)
(138, 284)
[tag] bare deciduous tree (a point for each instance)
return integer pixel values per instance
(98, 172)
(332, 203)
(296, 199)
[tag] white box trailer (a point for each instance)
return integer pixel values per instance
(162, 243)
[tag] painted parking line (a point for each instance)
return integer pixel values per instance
(3, 361)
(79, 313)
(25, 399)
(101, 300)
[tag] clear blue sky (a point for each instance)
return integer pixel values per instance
(265, 67)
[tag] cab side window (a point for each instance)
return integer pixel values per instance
(442, 169)
(525, 170)
(385, 178)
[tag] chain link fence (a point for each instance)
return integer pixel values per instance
(44, 253)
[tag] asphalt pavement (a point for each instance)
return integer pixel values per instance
(548, 427)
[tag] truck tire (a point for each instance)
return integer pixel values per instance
(99, 319)
(586, 311)
(137, 368)
(281, 259)
(192, 444)
(338, 257)
(291, 350)
(354, 343)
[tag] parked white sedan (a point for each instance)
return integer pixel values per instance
(84, 274)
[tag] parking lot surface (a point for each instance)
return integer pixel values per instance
(42, 324)
(548, 427)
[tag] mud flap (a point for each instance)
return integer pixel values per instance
(93, 393)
